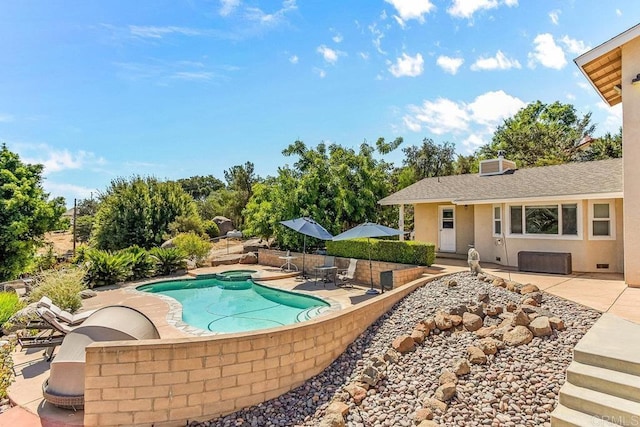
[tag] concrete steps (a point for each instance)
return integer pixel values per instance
(603, 381)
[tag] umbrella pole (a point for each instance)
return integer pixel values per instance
(371, 291)
(304, 252)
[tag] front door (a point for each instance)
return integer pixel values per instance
(447, 229)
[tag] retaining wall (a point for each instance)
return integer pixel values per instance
(402, 273)
(167, 382)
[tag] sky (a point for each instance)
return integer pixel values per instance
(96, 90)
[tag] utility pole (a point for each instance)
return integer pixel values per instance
(75, 208)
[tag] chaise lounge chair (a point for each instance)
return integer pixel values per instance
(63, 315)
(345, 277)
(55, 338)
(65, 386)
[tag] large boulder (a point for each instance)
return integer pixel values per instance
(224, 224)
(518, 336)
(253, 245)
(249, 258)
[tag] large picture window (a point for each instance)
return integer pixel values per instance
(544, 220)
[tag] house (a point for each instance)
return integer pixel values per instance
(573, 208)
(613, 69)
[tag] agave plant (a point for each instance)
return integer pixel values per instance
(139, 263)
(168, 260)
(105, 268)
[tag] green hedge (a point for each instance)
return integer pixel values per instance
(407, 252)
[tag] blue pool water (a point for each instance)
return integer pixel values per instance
(236, 306)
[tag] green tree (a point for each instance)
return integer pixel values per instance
(540, 134)
(430, 159)
(466, 164)
(84, 225)
(200, 187)
(219, 203)
(240, 180)
(138, 212)
(87, 207)
(25, 213)
(606, 147)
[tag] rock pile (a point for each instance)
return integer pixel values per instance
(406, 371)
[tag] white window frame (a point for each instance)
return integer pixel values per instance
(612, 219)
(500, 219)
(525, 235)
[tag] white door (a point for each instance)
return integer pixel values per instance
(447, 229)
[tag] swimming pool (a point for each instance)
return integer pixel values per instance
(226, 306)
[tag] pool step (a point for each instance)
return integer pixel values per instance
(311, 312)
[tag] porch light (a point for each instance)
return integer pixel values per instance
(636, 80)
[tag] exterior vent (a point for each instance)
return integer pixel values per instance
(496, 166)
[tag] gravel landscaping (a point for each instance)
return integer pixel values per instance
(518, 385)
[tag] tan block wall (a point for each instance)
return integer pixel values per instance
(167, 382)
(631, 160)
(402, 273)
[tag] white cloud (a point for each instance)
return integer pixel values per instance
(547, 53)
(448, 64)
(554, 15)
(193, 75)
(472, 142)
(479, 118)
(577, 47)
(618, 12)
(411, 9)
(330, 55)
(294, 59)
(613, 122)
(491, 108)
(408, 66)
(228, 7)
(337, 38)
(570, 96)
(320, 72)
(6, 118)
(153, 32)
(363, 55)
(466, 8)
(378, 35)
(257, 14)
(68, 191)
(498, 62)
(55, 160)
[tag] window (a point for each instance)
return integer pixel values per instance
(497, 220)
(544, 220)
(602, 220)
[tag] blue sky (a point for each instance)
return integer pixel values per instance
(96, 90)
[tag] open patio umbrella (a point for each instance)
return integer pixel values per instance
(368, 229)
(308, 227)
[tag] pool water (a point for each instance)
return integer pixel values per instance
(226, 306)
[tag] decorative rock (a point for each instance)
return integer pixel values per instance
(486, 331)
(488, 345)
(88, 293)
(537, 296)
(476, 355)
(529, 308)
(511, 307)
(332, 420)
(443, 322)
(378, 362)
(511, 286)
(483, 297)
(447, 377)
(455, 319)
(482, 277)
(529, 301)
(424, 327)
(458, 310)
(371, 375)
(248, 258)
(356, 392)
(461, 367)
(518, 336)
(452, 283)
(423, 414)
(556, 323)
(428, 423)
(435, 405)
(520, 318)
(445, 392)
(528, 288)
(417, 336)
(499, 283)
(471, 322)
(540, 326)
(493, 310)
(404, 344)
(338, 407)
(476, 309)
(430, 323)
(391, 356)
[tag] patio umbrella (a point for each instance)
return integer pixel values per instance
(308, 227)
(368, 229)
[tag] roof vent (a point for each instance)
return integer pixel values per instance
(497, 166)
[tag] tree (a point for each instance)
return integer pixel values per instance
(540, 134)
(606, 147)
(430, 159)
(25, 213)
(138, 212)
(240, 179)
(200, 187)
(87, 207)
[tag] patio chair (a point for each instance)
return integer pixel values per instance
(63, 315)
(65, 386)
(325, 269)
(51, 339)
(345, 277)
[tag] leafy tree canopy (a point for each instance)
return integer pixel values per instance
(25, 213)
(240, 180)
(200, 187)
(138, 212)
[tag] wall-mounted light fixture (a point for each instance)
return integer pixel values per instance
(636, 81)
(618, 89)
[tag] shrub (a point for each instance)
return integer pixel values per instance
(9, 305)
(46, 260)
(406, 252)
(168, 260)
(193, 246)
(139, 263)
(84, 226)
(6, 368)
(211, 228)
(62, 286)
(105, 268)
